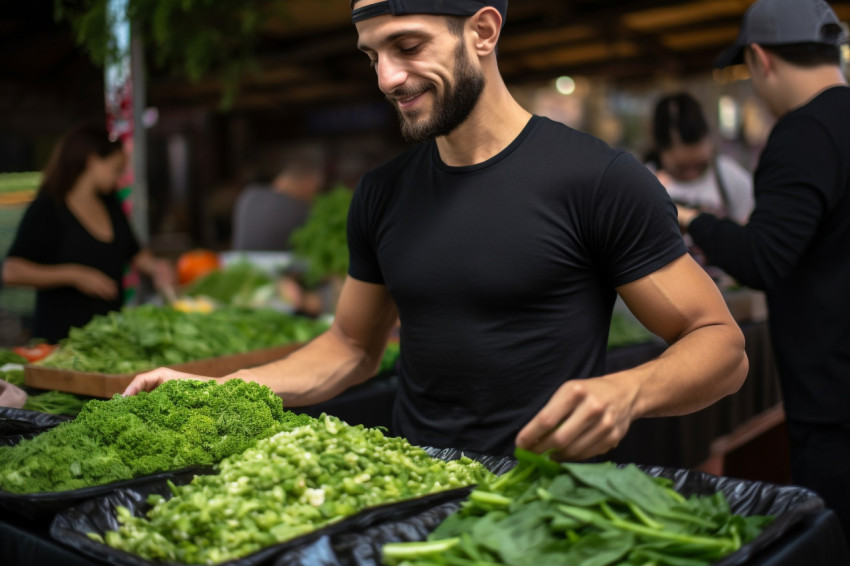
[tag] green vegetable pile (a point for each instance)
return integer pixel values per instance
(542, 512)
(182, 423)
(287, 485)
(322, 240)
(140, 338)
(240, 284)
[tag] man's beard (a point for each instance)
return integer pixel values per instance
(451, 108)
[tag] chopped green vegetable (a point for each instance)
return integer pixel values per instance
(542, 512)
(140, 338)
(287, 485)
(182, 423)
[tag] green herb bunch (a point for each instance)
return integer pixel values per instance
(542, 512)
(287, 485)
(182, 423)
(322, 240)
(144, 337)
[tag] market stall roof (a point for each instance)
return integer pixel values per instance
(308, 55)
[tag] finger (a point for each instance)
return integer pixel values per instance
(574, 435)
(550, 417)
(596, 439)
(147, 381)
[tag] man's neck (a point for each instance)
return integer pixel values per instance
(495, 122)
(803, 85)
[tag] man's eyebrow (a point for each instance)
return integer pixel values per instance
(392, 37)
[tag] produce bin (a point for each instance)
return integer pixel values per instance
(106, 385)
(804, 532)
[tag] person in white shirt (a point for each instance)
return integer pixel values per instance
(687, 164)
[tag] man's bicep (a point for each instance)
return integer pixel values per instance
(365, 314)
(676, 299)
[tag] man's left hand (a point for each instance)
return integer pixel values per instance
(584, 418)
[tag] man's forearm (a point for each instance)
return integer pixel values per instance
(694, 372)
(319, 371)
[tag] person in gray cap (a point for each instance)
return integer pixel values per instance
(500, 240)
(796, 242)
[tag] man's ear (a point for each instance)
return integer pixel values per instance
(487, 26)
(759, 59)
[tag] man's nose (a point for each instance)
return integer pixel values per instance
(391, 74)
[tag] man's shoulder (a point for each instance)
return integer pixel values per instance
(547, 131)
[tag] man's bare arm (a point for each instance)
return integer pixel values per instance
(704, 362)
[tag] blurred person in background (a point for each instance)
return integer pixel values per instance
(74, 241)
(265, 216)
(687, 163)
(795, 245)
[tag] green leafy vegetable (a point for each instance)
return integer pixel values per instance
(9, 357)
(13, 376)
(239, 284)
(625, 331)
(182, 423)
(140, 338)
(322, 240)
(542, 512)
(287, 485)
(56, 403)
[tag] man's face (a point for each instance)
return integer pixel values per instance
(758, 80)
(424, 70)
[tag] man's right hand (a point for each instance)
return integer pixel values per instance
(149, 381)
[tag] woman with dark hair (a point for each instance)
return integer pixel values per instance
(74, 240)
(685, 160)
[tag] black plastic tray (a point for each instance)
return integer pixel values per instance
(18, 424)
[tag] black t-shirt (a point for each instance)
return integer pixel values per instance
(795, 247)
(504, 274)
(50, 234)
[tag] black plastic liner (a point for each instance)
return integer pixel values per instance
(18, 424)
(357, 541)
(43, 506)
(98, 516)
(792, 506)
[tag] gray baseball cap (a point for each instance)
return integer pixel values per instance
(784, 22)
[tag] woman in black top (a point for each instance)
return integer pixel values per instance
(74, 240)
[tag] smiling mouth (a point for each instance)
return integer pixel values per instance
(408, 100)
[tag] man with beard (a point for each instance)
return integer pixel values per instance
(501, 240)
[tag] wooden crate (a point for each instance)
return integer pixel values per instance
(106, 385)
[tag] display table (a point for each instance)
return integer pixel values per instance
(680, 442)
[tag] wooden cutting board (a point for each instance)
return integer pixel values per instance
(105, 385)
